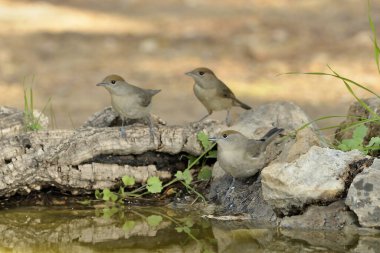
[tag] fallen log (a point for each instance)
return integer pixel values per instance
(78, 161)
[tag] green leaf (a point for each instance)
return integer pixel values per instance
(179, 229)
(189, 223)
(343, 147)
(128, 181)
(184, 176)
(109, 212)
(212, 154)
(191, 159)
(98, 194)
(203, 138)
(154, 220)
(187, 230)
(85, 202)
(128, 225)
(154, 185)
(108, 195)
(375, 141)
(205, 173)
(360, 132)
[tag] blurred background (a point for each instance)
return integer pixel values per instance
(63, 48)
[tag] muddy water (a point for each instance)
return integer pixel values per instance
(158, 229)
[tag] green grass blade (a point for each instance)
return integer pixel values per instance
(333, 75)
(374, 39)
(31, 99)
(326, 117)
(360, 101)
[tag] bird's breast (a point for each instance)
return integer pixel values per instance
(210, 98)
(129, 106)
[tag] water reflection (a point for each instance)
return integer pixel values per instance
(157, 229)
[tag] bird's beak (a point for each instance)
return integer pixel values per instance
(102, 84)
(213, 139)
(189, 74)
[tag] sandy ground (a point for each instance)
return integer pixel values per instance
(66, 47)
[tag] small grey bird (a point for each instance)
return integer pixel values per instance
(129, 101)
(242, 157)
(213, 93)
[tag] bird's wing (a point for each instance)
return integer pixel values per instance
(146, 96)
(254, 147)
(225, 92)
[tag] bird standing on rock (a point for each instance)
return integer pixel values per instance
(242, 157)
(213, 93)
(129, 101)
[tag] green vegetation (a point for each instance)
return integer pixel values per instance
(32, 120)
(155, 185)
(359, 125)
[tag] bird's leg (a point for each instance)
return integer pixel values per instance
(151, 130)
(122, 129)
(228, 118)
(231, 189)
(208, 114)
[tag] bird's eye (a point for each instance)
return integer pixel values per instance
(201, 73)
(225, 136)
(113, 81)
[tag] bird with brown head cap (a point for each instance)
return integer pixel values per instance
(240, 156)
(213, 93)
(129, 101)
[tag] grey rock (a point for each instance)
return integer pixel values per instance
(245, 197)
(334, 216)
(364, 196)
(317, 176)
(367, 244)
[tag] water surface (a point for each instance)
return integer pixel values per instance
(157, 229)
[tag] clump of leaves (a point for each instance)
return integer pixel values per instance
(155, 185)
(357, 141)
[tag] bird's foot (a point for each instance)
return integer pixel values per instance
(123, 133)
(231, 189)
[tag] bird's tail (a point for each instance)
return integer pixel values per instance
(271, 134)
(241, 104)
(153, 92)
(269, 137)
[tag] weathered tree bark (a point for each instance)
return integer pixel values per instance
(69, 159)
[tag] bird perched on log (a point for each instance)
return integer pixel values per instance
(129, 101)
(242, 157)
(213, 93)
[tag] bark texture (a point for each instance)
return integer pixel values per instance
(70, 159)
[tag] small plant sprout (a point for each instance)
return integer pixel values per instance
(155, 185)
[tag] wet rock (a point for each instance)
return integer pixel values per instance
(323, 240)
(334, 216)
(317, 176)
(245, 196)
(363, 196)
